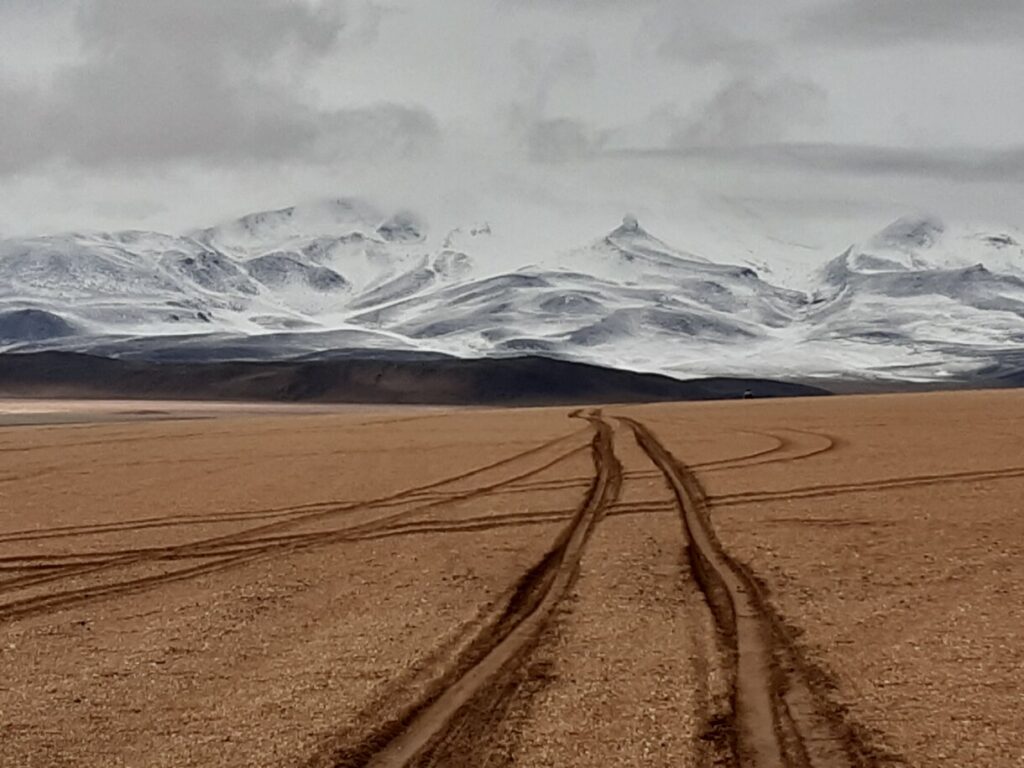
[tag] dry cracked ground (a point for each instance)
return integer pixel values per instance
(819, 583)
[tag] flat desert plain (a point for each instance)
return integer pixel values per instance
(828, 582)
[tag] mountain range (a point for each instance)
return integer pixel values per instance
(921, 300)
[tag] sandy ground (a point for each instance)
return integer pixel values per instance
(184, 584)
(890, 533)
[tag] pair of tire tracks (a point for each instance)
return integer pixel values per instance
(781, 717)
(439, 724)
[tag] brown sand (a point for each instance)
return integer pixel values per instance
(889, 532)
(296, 589)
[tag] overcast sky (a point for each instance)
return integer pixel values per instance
(171, 113)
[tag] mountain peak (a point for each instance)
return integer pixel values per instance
(910, 233)
(402, 227)
(272, 228)
(630, 227)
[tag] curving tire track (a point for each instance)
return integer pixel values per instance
(783, 445)
(781, 720)
(787, 450)
(780, 443)
(433, 730)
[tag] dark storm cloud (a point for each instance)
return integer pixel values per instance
(896, 22)
(198, 80)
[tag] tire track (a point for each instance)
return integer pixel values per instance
(470, 524)
(769, 455)
(91, 469)
(439, 723)
(781, 443)
(172, 521)
(475, 524)
(431, 502)
(232, 552)
(820, 491)
(241, 548)
(317, 507)
(780, 719)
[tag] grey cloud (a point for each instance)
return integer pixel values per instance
(758, 102)
(895, 22)
(197, 80)
(546, 138)
(543, 67)
(969, 164)
(692, 44)
(708, 34)
(253, 30)
(745, 111)
(964, 165)
(559, 140)
(580, 5)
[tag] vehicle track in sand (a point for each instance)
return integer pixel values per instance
(331, 506)
(785, 447)
(472, 524)
(867, 486)
(782, 718)
(62, 470)
(447, 739)
(243, 547)
(187, 520)
(439, 726)
(229, 516)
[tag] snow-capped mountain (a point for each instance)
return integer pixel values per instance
(920, 299)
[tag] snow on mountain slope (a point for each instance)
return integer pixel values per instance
(282, 270)
(292, 267)
(918, 281)
(627, 298)
(919, 299)
(276, 230)
(926, 243)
